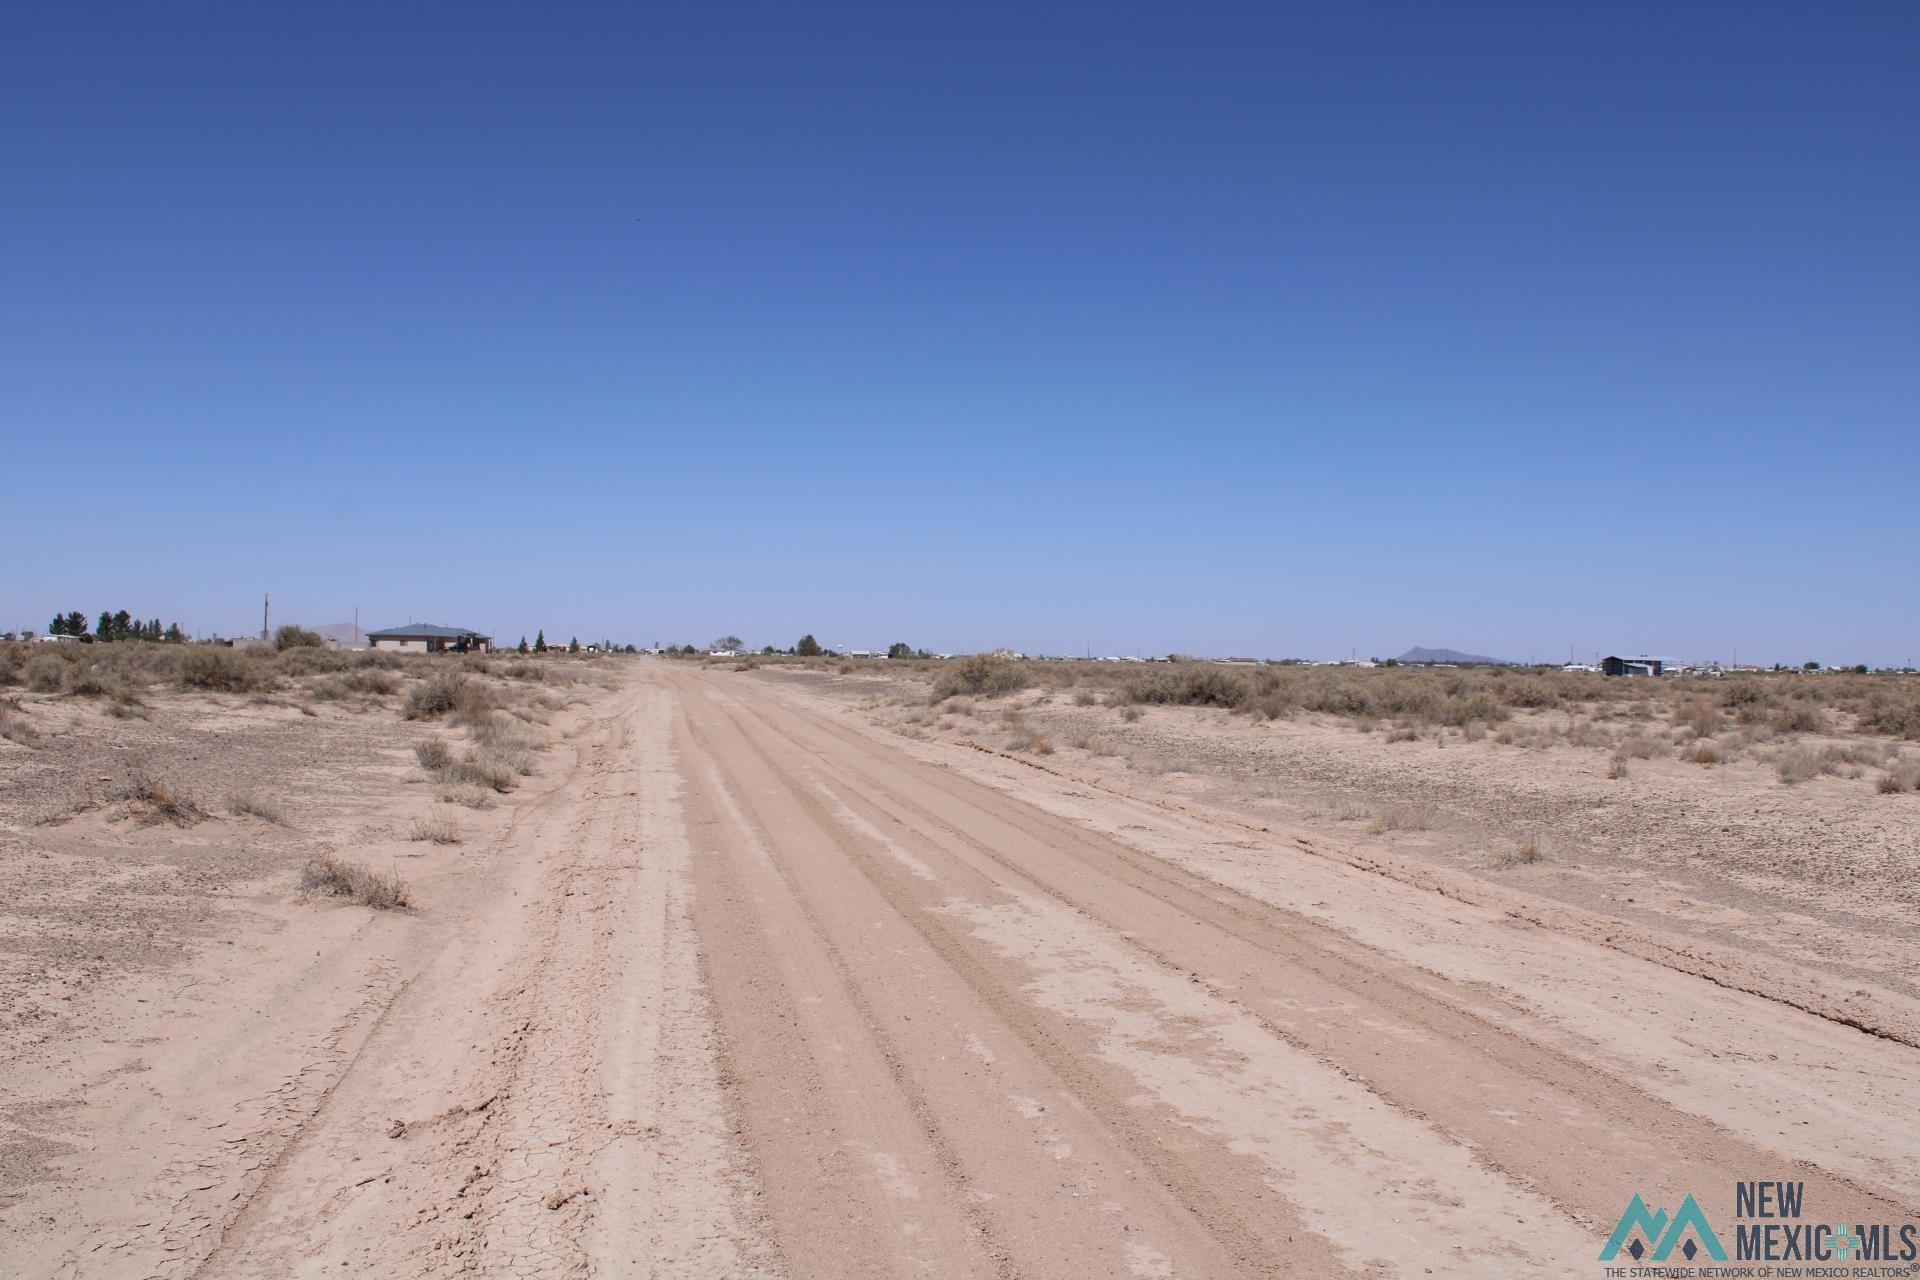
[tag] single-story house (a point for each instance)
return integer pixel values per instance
(424, 637)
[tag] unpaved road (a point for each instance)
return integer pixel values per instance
(751, 988)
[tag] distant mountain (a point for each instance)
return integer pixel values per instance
(1417, 655)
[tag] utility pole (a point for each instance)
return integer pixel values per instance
(266, 605)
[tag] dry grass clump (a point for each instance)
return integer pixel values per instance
(1405, 733)
(436, 829)
(1130, 713)
(1617, 768)
(435, 696)
(433, 754)
(151, 801)
(252, 804)
(1403, 817)
(980, 675)
(489, 769)
(331, 875)
(469, 794)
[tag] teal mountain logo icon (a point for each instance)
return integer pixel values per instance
(1642, 1230)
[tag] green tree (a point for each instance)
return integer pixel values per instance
(76, 623)
(523, 644)
(174, 634)
(58, 627)
(293, 637)
(122, 625)
(104, 629)
(734, 643)
(540, 642)
(899, 650)
(573, 645)
(807, 647)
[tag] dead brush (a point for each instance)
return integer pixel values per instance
(252, 804)
(1522, 852)
(1617, 768)
(433, 754)
(150, 801)
(340, 878)
(1027, 738)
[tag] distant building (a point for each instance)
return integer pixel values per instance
(423, 637)
(1641, 666)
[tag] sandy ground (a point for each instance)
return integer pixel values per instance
(744, 982)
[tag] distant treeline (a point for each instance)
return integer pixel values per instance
(115, 626)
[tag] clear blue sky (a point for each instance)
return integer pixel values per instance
(1255, 330)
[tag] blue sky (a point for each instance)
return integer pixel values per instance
(1516, 328)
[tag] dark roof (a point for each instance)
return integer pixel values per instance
(429, 630)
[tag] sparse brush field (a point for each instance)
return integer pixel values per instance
(1802, 787)
(148, 790)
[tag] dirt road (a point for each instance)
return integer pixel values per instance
(755, 989)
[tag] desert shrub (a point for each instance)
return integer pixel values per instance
(981, 675)
(1027, 738)
(437, 830)
(1639, 747)
(474, 704)
(435, 696)
(372, 680)
(355, 880)
(1892, 714)
(45, 673)
(1617, 768)
(1406, 733)
(1192, 684)
(1084, 697)
(1803, 763)
(1404, 817)
(1130, 713)
(220, 668)
(251, 803)
(1702, 752)
(1798, 718)
(13, 724)
(1901, 775)
(92, 680)
(433, 754)
(294, 637)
